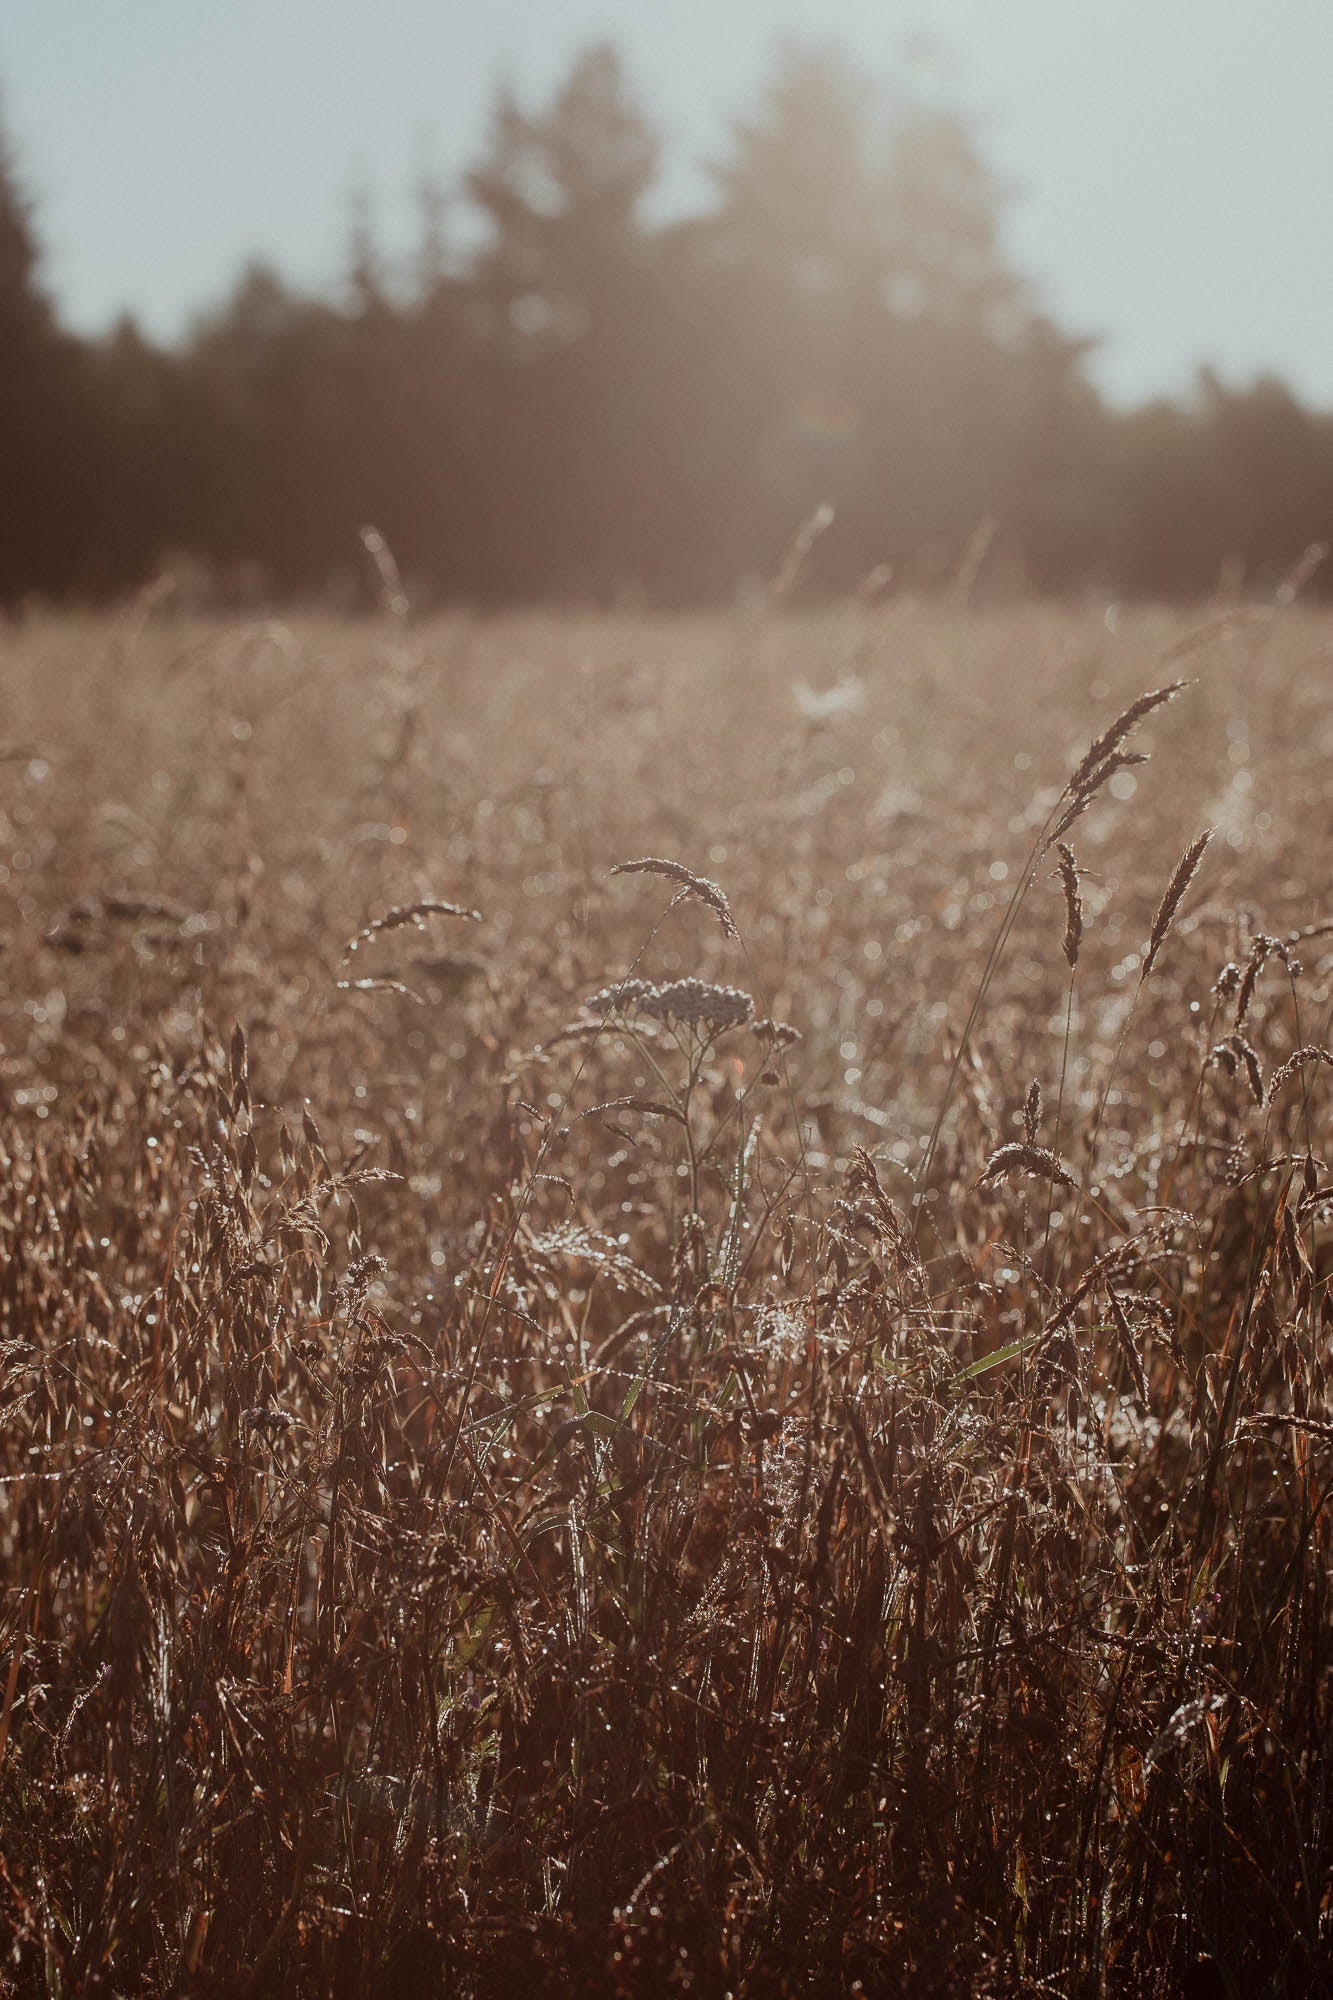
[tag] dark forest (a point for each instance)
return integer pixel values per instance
(561, 401)
(565, 403)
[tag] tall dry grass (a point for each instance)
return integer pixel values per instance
(520, 1470)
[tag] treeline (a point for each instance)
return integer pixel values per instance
(566, 399)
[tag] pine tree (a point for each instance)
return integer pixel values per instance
(46, 429)
(25, 314)
(560, 191)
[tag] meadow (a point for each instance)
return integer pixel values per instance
(757, 1427)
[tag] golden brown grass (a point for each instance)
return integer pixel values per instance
(509, 1494)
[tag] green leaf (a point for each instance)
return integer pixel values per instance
(996, 1360)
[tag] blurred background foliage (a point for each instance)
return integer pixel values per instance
(562, 399)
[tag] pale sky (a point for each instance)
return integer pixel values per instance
(1172, 160)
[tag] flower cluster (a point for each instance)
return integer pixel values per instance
(691, 1001)
(622, 999)
(780, 1033)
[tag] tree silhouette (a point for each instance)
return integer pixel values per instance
(586, 402)
(46, 416)
(560, 191)
(855, 252)
(564, 286)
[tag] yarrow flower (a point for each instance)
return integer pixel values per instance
(695, 1000)
(780, 1033)
(622, 999)
(683, 1000)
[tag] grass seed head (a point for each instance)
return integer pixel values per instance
(1020, 1156)
(1093, 768)
(690, 885)
(1186, 869)
(1073, 904)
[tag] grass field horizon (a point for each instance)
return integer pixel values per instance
(756, 1424)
